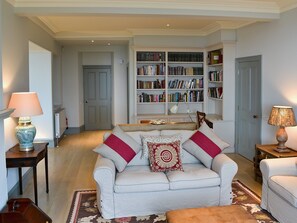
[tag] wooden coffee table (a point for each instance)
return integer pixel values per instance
(220, 214)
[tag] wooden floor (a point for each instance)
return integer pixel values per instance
(71, 168)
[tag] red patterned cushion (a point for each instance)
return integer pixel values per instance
(119, 147)
(165, 156)
(205, 145)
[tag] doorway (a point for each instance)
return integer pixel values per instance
(97, 97)
(248, 105)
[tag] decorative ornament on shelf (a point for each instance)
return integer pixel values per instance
(282, 116)
(26, 104)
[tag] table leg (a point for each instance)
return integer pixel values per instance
(35, 185)
(20, 180)
(46, 172)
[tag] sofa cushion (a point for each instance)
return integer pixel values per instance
(165, 156)
(204, 144)
(157, 139)
(137, 135)
(185, 134)
(285, 187)
(140, 179)
(186, 157)
(193, 176)
(119, 147)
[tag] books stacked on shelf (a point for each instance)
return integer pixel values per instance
(215, 57)
(155, 69)
(189, 96)
(145, 98)
(156, 84)
(180, 70)
(185, 84)
(150, 56)
(215, 92)
(185, 57)
(215, 75)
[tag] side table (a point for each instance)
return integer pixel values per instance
(15, 158)
(265, 152)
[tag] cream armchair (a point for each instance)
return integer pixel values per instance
(279, 188)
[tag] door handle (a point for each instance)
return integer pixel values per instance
(255, 116)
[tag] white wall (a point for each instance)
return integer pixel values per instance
(3, 185)
(277, 43)
(16, 34)
(73, 58)
(40, 75)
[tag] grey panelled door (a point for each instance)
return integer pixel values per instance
(97, 97)
(248, 104)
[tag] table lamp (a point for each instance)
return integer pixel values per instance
(282, 116)
(26, 104)
(174, 108)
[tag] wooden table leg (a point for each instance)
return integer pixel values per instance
(35, 185)
(46, 173)
(20, 180)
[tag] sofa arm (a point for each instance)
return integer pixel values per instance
(104, 175)
(278, 166)
(227, 169)
(272, 167)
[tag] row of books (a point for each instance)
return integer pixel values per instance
(215, 92)
(157, 84)
(189, 96)
(144, 97)
(215, 75)
(185, 84)
(155, 69)
(150, 56)
(180, 70)
(185, 56)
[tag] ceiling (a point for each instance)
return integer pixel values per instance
(80, 21)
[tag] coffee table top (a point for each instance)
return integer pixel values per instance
(220, 214)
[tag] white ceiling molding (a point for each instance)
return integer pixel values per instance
(99, 19)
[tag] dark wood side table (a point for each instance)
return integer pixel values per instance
(267, 151)
(15, 158)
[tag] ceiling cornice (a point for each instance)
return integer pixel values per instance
(216, 8)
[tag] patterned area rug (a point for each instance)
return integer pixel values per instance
(84, 208)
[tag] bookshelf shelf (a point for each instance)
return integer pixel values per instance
(165, 77)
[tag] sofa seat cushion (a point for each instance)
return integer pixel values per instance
(140, 179)
(285, 187)
(193, 176)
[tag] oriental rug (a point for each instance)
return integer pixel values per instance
(84, 208)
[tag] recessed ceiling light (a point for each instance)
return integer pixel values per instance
(167, 25)
(92, 41)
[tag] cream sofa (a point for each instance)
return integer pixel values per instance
(279, 188)
(137, 191)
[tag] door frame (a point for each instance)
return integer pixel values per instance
(237, 90)
(111, 87)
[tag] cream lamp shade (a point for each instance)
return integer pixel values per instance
(282, 116)
(26, 104)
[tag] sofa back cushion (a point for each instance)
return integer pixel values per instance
(137, 160)
(186, 157)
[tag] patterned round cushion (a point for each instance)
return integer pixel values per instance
(164, 156)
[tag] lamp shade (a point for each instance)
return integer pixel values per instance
(174, 109)
(282, 116)
(25, 104)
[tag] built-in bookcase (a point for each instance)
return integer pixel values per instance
(165, 78)
(215, 77)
